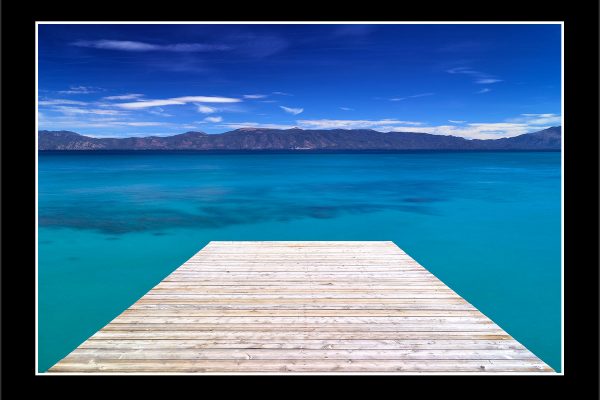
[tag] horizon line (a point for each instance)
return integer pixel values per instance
(288, 129)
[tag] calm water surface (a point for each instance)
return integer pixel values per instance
(112, 225)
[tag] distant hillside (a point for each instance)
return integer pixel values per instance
(299, 139)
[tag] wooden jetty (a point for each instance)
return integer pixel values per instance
(305, 307)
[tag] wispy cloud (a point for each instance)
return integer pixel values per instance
(176, 101)
(291, 110)
(159, 111)
(525, 123)
(80, 90)
(129, 96)
(487, 80)
(352, 123)
(421, 95)
(205, 109)
(70, 110)
(129, 45)
(412, 97)
(456, 121)
(481, 78)
(88, 120)
(282, 93)
(484, 90)
(538, 119)
(213, 119)
(71, 122)
(255, 96)
(58, 102)
(346, 109)
(475, 130)
(150, 103)
(462, 70)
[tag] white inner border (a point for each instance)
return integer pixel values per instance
(562, 174)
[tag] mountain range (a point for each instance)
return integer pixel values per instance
(248, 139)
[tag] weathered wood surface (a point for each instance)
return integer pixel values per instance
(310, 307)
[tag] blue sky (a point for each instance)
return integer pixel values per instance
(474, 81)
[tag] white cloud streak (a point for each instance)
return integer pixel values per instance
(255, 96)
(129, 96)
(205, 109)
(487, 81)
(421, 95)
(475, 130)
(57, 102)
(493, 130)
(176, 101)
(462, 70)
(291, 110)
(411, 97)
(538, 119)
(213, 119)
(74, 121)
(159, 111)
(129, 45)
(80, 90)
(481, 78)
(68, 110)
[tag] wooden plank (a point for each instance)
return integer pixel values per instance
(291, 335)
(284, 302)
(174, 312)
(310, 366)
(372, 320)
(299, 354)
(306, 307)
(341, 328)
(340, 344)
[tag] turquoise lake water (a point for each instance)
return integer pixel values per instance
(111, 226)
